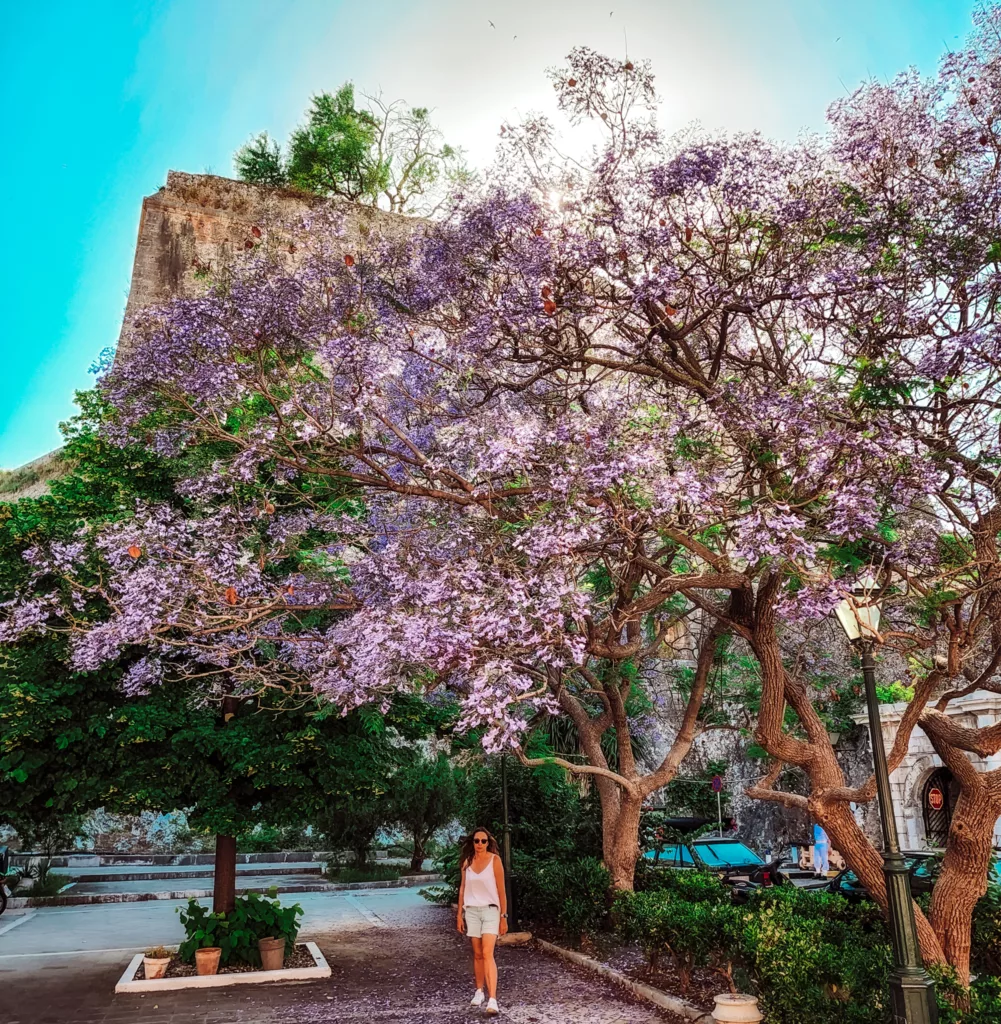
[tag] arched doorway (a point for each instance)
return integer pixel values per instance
(937, 802)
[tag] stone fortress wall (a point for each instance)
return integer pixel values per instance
(198, 224)
(190, 229)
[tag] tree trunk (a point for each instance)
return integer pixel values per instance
(224, 886)
(964, 874)
(417, 861)
(862, 857)
(621, 848)
(224, 882)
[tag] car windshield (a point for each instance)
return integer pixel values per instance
(673, 856)
(727, 855)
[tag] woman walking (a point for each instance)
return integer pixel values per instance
(482, 910)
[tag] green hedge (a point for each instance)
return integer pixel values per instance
(807, 955)
(573, 895)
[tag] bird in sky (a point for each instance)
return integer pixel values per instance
(490, 23)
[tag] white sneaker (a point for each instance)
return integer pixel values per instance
(492, 1008)
(477, 998)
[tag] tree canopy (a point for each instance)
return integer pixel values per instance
(385, 153)
(718, 381)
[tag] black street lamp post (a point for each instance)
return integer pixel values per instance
(912, 992)
(506, 844)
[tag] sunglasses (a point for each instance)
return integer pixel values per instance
(481, 841)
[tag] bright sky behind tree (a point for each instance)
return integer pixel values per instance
(101, 98)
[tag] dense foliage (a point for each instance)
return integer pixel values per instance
(236, 933)
(386, 152)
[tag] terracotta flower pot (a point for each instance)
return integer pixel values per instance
(155, 966)
(272, 953)
(207, 960)
(736, 1009)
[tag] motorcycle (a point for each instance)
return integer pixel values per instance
(4, 868)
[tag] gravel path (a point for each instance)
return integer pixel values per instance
(407, 967)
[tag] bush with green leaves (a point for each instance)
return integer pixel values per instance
(371, 873)
(549, 817)
(253, 917)
(690, 918)
(986, 947)
(202, 930)
(573, 895)
(814, 956)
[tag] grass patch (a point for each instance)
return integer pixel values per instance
(49, 885)
(375, 873)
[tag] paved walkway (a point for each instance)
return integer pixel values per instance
(393, 961)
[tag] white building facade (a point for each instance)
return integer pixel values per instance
(924, 791)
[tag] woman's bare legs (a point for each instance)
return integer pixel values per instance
(478, 963)
(489, 965)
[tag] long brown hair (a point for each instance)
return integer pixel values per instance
(468, 849)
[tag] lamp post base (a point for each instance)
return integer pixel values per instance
(912, 997)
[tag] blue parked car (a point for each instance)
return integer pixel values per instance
(731, 859)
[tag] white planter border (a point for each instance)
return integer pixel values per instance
(127, 982)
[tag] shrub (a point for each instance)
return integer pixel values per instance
(548, 817)
(253, 917)
(814, 956)
(440, 895)
(986, 948)
(374, 873)
(48, 884)
(44, 881)
(572, 895)
(202, 930)
(691, 919)
(697, 886)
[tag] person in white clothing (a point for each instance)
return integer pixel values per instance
(482, 910)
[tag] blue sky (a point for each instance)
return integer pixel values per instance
(101, 98)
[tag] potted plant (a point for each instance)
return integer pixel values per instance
(256, 931)
(736, 1008)
(207, 959)
(272, 952)
(155, 962)
(261, 929)
(205, 936)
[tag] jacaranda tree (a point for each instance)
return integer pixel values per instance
(690, 379)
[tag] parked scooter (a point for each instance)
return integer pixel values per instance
(4, 868)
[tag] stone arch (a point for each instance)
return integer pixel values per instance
(910, 816)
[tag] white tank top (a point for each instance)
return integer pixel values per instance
(481, 887)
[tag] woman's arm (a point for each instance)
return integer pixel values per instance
(501, 892)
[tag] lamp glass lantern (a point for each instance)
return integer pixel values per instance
(859, 613)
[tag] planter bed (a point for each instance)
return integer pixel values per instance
(630, 963)
(305, 963)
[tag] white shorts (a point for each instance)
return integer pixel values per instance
(481, 921)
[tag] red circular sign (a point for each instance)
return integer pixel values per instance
(935, 799)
